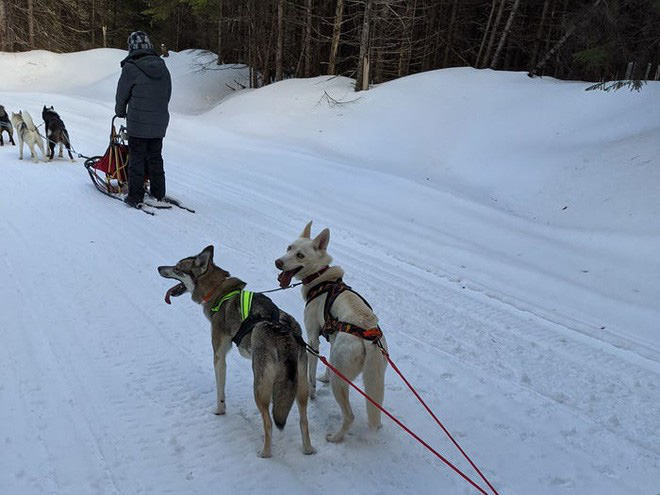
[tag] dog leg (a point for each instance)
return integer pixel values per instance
(220, 367)
(302, 398)
(263, 391)
(33, 154)
(312, 364)
(373, 376)
(40, 145)
(20, 148)
(61, 153)
(340, 391)
(326, 377)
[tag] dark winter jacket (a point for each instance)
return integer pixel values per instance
(145, 88)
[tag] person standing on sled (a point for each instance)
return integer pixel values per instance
(143, 94)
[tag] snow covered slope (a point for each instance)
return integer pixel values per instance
(505, 230)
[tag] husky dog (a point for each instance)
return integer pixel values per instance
(5, 126)
(307, 259)
(56, 133)
(27, 133)
(279, 361)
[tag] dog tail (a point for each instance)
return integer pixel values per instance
(28, 120)
(285, 386)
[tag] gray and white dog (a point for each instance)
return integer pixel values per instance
(279, 361)
(5, 126)
(27, 134)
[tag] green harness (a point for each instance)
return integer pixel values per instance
(245, 307)
(246, 302)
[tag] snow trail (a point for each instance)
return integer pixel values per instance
(108, 390)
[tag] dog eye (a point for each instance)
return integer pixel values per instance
(300, 256)
(289, 248)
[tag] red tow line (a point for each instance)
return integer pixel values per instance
(404, 427)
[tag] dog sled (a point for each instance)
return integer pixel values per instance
(109, 172)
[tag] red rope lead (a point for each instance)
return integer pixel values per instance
(394, 367)
(408, 430)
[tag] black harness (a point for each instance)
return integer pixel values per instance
(267, 312)
(332, 325)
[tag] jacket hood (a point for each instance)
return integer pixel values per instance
(148, 62)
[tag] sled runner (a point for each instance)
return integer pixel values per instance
(109, 173)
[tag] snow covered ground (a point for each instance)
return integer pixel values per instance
(506, 230)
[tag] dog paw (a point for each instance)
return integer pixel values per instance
(219, 410)
(312, 393)
(334, 437)
(325, 378)
(309, 451)
(376, 427)
(264, 454)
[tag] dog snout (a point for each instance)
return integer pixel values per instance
(279, 264)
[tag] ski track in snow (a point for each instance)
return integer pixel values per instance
(108, 390)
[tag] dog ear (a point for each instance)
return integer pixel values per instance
(307, 231)
(321, 241)
(204, 258)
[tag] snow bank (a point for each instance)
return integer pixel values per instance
(529, 147)
(198, 83)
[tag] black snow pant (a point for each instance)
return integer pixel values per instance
(145, 158)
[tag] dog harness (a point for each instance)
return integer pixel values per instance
(332, 324)
(248, 319)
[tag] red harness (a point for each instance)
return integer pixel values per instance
(332, 324)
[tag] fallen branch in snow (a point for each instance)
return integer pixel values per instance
(332, 101)
(607, 86)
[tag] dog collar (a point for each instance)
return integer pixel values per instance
(314, 276)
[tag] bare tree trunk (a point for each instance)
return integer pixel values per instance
(308, 40)
(280, 41)
(31, 23)
(379, 35)
(3, 27)
(450, 33)
(539, 34)
(493, 33)
(406, 40)
(362, 75)
(336, 34)
(483, 40)
(93, 22)
(220, 21)
(560, 43)
(505, 33)
(252, 57)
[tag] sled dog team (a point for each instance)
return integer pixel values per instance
(272, 339)
(28, 133)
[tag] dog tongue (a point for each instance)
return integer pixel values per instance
(284, 278)
(169, 293)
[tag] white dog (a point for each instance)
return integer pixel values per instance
(27, 133)
(344, 318)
